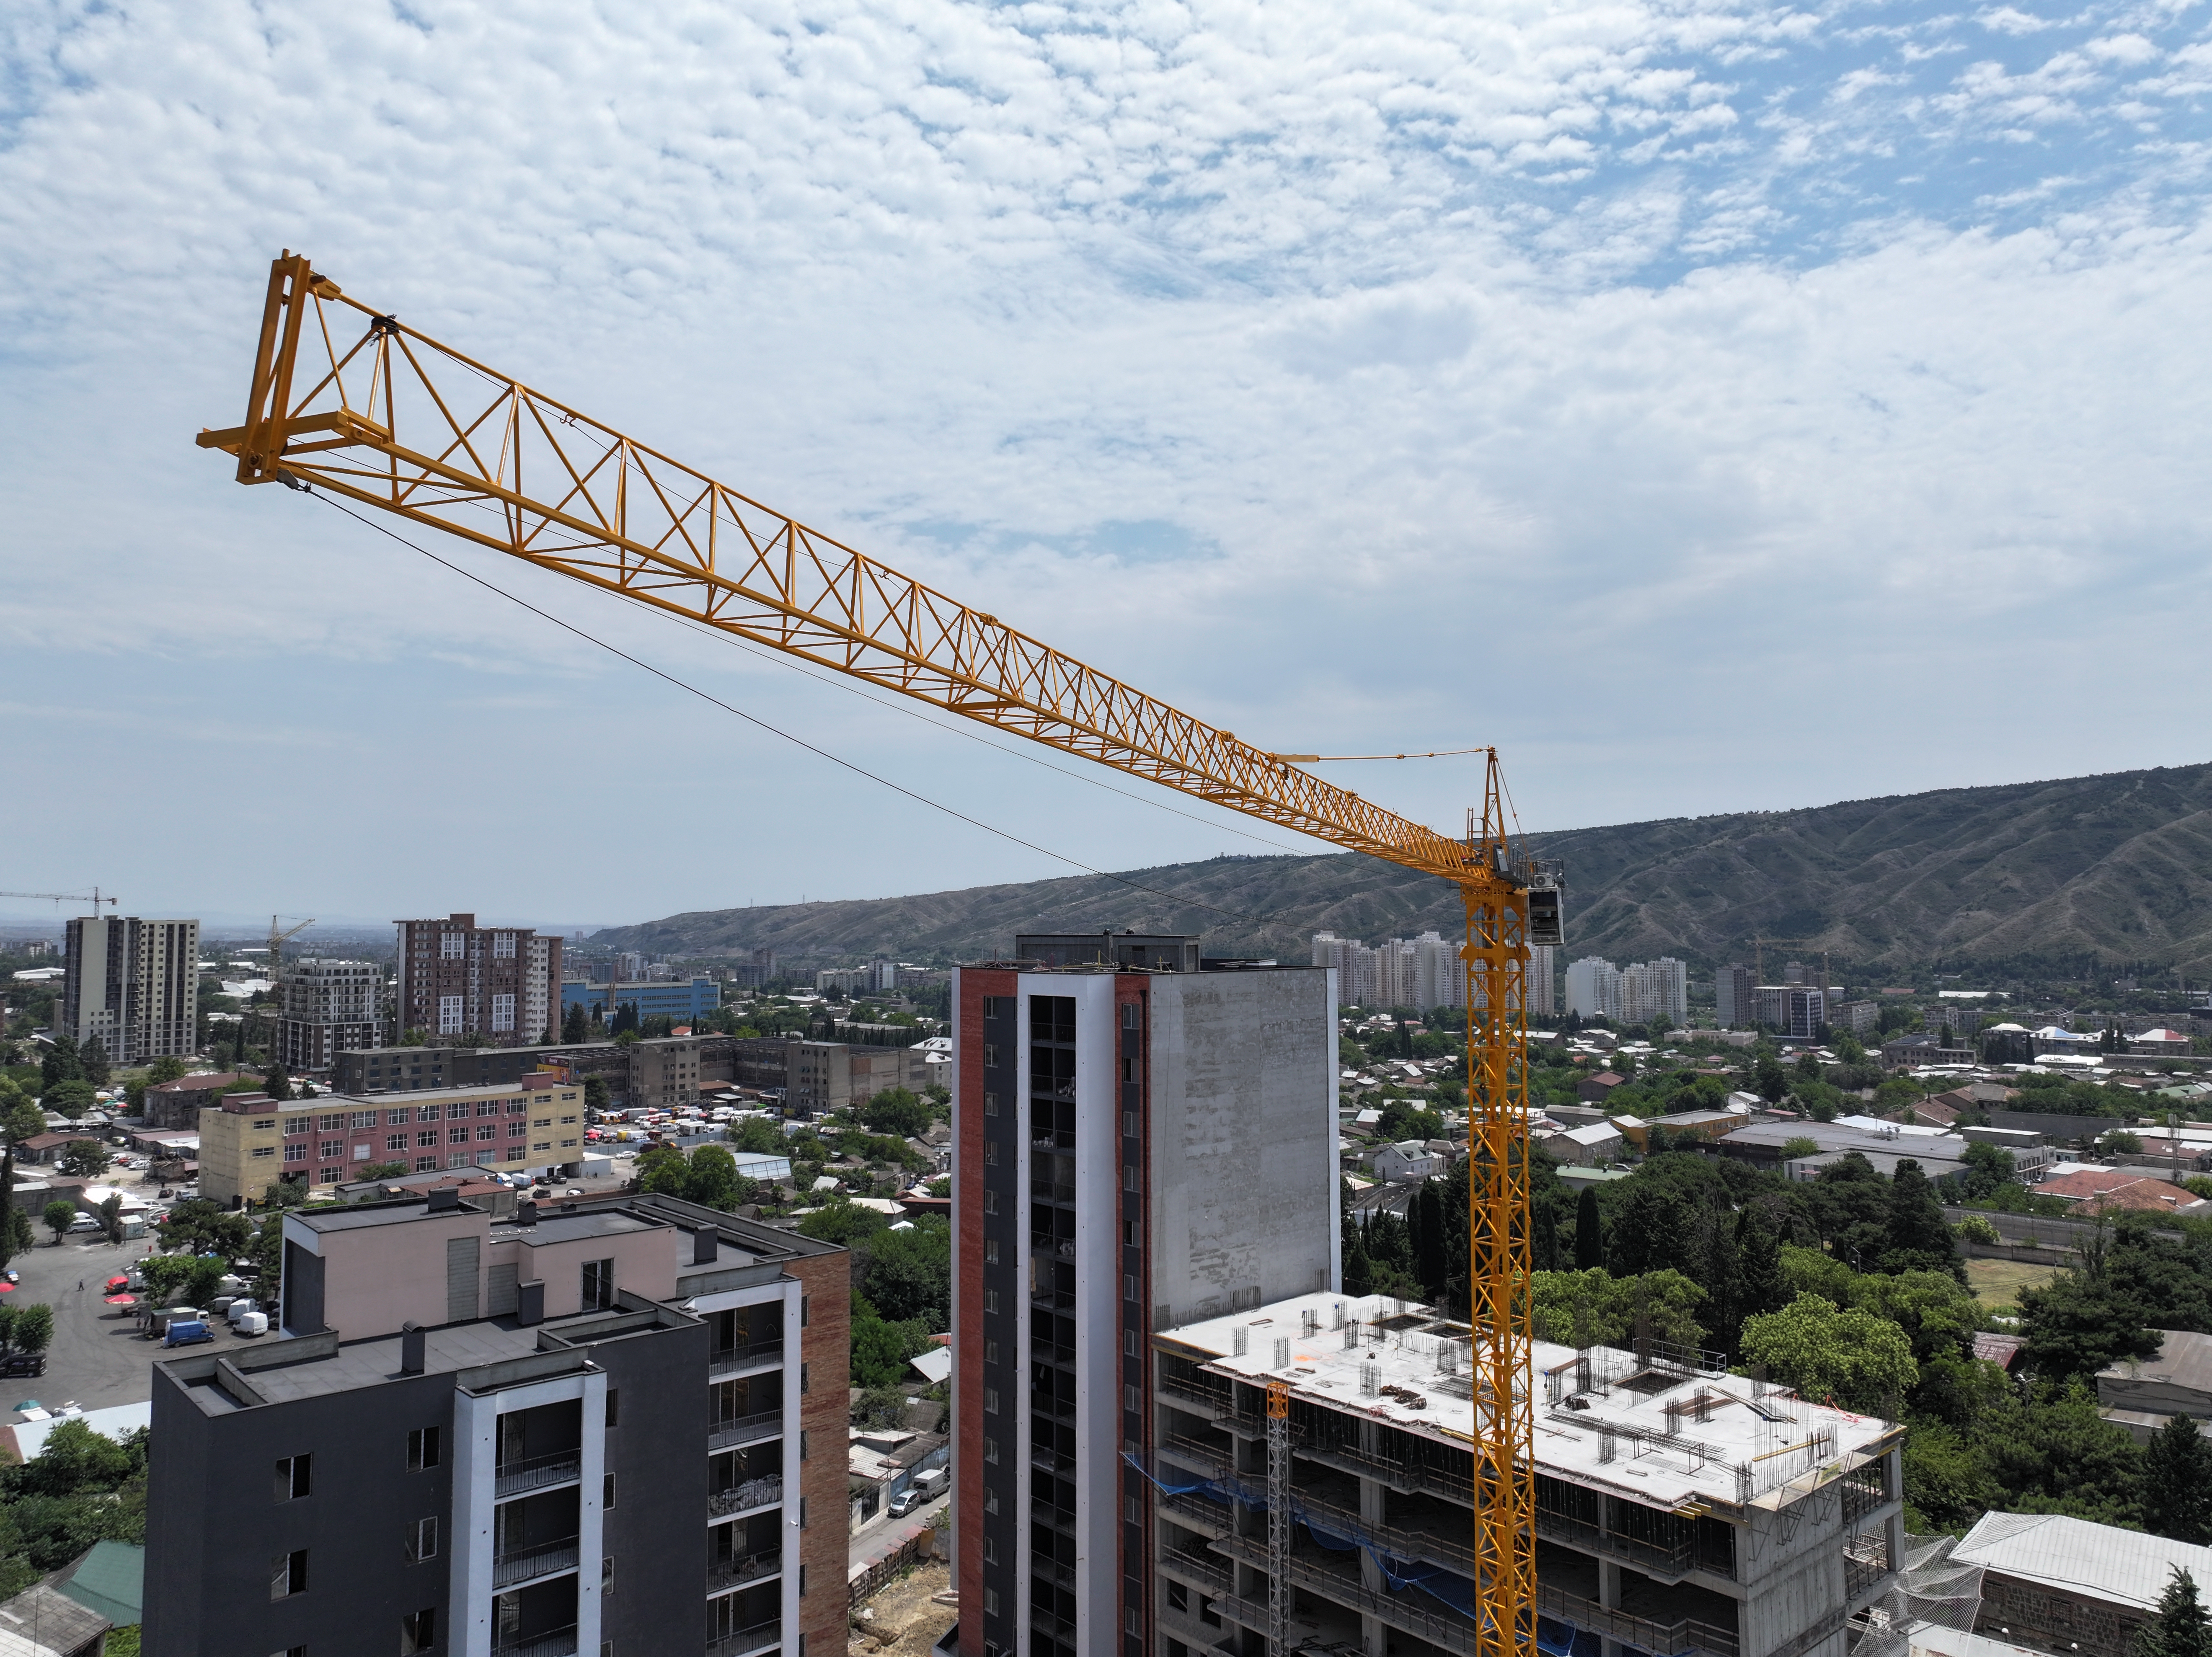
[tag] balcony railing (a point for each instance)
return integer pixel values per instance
(742, 1357)
(540, 1559)
(761, 1637)
(1866, 1562)
(536, 1472)
(753, 1493)
(555, 1642)
(1686, 1634)
(1207, 1570)
(1668, 1562)
(735, 1572)
(733, 1430)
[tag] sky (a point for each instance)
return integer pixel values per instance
(1716, 406)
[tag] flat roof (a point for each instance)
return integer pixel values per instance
(447, 1351)
(1760, 1446)
(2102, 1562)
(556, 1227)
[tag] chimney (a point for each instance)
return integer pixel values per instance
(413, 1341)
(706, 1243)
(529, 1303)
(445, 1199)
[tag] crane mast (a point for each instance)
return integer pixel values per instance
(350, 401)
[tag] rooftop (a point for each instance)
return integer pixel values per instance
(1638, 1430)
(2183, 1360)
(2105, 1563)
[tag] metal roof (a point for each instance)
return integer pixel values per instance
(2124, 1568)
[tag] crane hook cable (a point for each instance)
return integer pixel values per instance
(709, 696)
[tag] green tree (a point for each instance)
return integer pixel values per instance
(1430, 1263)
(663, 1170)
(2120, 1143)
(909, 1274)
(896, 1110)
(842, 1222)
(1827, 1353)
(2079, 1323)
(576, 1024)
(2176, 1488)
(382, 1171)
(882, 1346)
(2179, 1628)
(75, 1459)
(111, 1217)
(1597, 1308)
(71, 1097)
(1988, 1167)
(84, 1159)
(33, 1328)
(597, 1094)
(92, 1059)
(165, 1069)
(1918, 1238)
(1769, 1080)
(1760, 1258)
(60, 1064)
(58, 1215)
(1797, 1145)
(206, 1227)
(712, 1179)
(1590, 1232)
(277, 1083)
(22, 1120)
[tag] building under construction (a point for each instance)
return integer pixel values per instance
(1679, 1509)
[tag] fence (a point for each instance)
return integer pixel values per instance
(911, 1552)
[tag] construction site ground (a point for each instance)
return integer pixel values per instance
(905, 1620)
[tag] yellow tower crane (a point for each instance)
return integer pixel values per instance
(350, 401)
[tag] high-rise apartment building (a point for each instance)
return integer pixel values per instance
(329, 1005)
(1593, 988)
(1656, 989)
(1354, 964)
(133, 986)
(618, 1427)
(1797, 1011)
(1135, 1147)
(1733, 1001)
(1543, 988)
(457, 979)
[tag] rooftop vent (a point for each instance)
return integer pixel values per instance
(706, 1243)
(445, 1199)
(413, 1348)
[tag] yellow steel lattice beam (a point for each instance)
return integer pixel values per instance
(356, 402)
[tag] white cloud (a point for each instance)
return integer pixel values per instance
(1563, 372)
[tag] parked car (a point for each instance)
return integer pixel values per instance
(85, 1223)
(23, 1363)
(187, 1333)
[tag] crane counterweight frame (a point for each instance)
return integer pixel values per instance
(392, 419)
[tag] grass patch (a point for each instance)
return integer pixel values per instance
(1997, 1283)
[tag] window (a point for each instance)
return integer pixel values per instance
(1130, 1401)
(802, 1581)
(567, 1144)
(990, 1400)
(502, 1012)
(452, 945)
(990, 1351)
(295, 1477)
(607, 1577)
(264, 1151)
(395, 1141)
(264, 1124)
(503, 946)
(802, 1444)
(456, 1113)
(541, 1122)
(990, 1602)
(488, 1108)
(395, 1118)
(1129, 1177)
(418, 1632)
(297, 1124)
(1128, 1124)
(990, 1451)
(991, 1252)
(423, 1541)
(458, 1136)
(990, 1550)
(805, 1305)
(567, 1121)
(330, 1124)
(607, 1491)
(518, 1106)
(449, 1015)
(614, 1411)
(1129, 1343)
(423, 1447)
(458, 1159)
(990, 1202)
(429, 1113)
(990, 1156)
(1129, 1015)
(598, 1286)
(990, 1300)
(362, 1119)
(804, 1383)
(295, 1153)
(517, 1129)
(991, 1052)
(488, 1131)
(288, 1574)
(990, 1104)
(541, 1145)
(426, 1137)
(331, 1149)
(426, 1164)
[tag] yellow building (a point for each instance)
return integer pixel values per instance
(249, 1141)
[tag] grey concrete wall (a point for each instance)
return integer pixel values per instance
(1243, 1171)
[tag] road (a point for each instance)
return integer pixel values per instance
(97, 1359)
(883, 1536)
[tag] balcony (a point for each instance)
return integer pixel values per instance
(1686, 1634)
(538, 1559)
(1208, 1571)
(724, 1575)
(733, 1430)
(555, 1642)
(732, 1359)
(537, 1472)
(764, 1492)
(761, 1637)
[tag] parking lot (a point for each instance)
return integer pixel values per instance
(97, 1358)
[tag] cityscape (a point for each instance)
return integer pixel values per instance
(1105, 828)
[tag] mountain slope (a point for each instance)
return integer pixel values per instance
(2118, 867)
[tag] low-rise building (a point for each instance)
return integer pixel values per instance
(2070, 1587)
(2141, 1393)
(249, 1141)
(1406, 1162)
(1678, 1508)
(178, 1104)
(681, 1001)
(611, 1427)
(1595, 1089)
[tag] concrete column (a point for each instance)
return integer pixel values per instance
(1609, 1575)
(1374, 1508)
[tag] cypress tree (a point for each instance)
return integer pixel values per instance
(1722, 1272)
(2176, 1482)
(1917, 1238)
(92, 1057)
(1590, 1232)
(1759, 1266)
(1359, 1270)
(2178, 1627)
(1547, 1240)
(1429, 1263)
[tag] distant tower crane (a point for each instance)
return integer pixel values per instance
(276, 941)
(384, 416)
(95, 897)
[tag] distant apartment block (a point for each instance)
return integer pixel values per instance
(1593, 988)
(685, 1002)
(1135, 1146)
(249, 1141)
(1735, 1006)
(458, 979)
(1543, 982)
(133, 986)
(328, 1007)
(1797, 1011)
(879, 977)
(614, 1429)
(1657, 989)
(1422, 973)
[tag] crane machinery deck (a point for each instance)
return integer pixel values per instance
(348, 400)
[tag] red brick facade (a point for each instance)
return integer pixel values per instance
(967, 1294)
(825, 1348)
